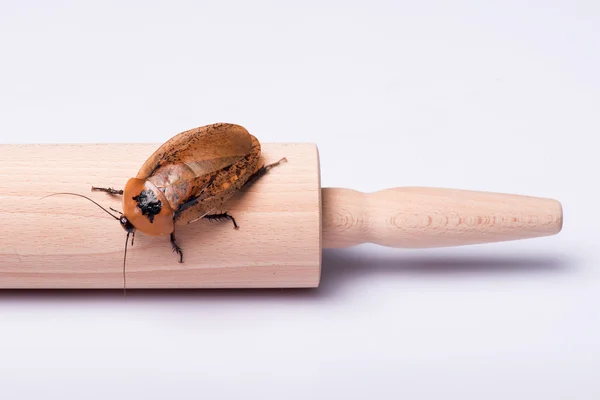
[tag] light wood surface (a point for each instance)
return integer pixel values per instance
(416, 217)
(285, 219)
(68, 242)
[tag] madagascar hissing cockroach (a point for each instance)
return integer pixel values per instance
(189, 177)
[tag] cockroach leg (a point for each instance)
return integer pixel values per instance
(107, 190)
(221, 217)
(262, 171)
(176, 248)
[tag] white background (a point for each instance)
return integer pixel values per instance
(501, 96)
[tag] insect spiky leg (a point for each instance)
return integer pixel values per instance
(107, 190)
(263, 170)
(176, 248)
(221, 217)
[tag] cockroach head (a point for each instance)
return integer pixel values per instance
(128, 226)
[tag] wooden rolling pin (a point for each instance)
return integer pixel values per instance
(285, 220)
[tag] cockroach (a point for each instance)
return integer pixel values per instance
(189, 177)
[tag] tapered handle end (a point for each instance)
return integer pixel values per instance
(416, 217)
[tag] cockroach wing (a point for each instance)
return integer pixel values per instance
(200, 169)
(202, 150)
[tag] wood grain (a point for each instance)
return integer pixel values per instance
(416, 217)
(67, 242)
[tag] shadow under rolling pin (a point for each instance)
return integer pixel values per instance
(285, 220)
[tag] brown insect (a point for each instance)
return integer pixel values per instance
(188, 178)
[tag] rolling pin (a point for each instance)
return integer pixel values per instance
(285, 220)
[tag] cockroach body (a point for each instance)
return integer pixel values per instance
(188, 178)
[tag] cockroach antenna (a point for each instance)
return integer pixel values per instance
(85, 197)
(115, 217)
(124, 262)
